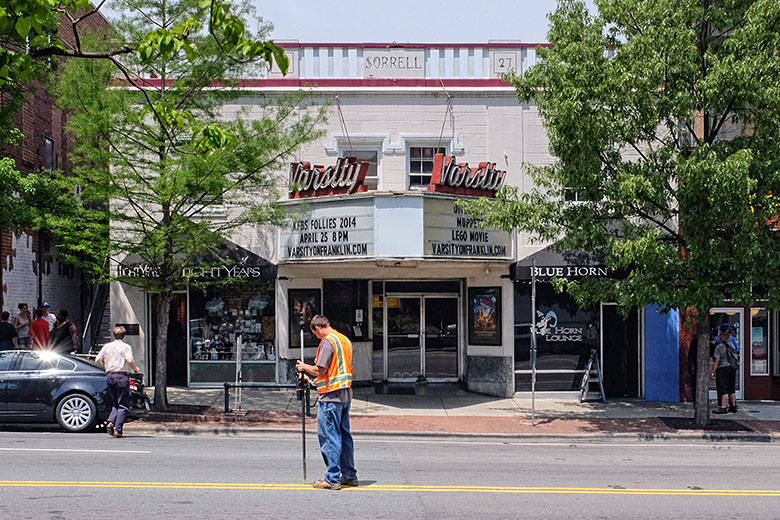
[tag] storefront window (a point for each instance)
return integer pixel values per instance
(565, 335)
(759, 342)
(377, 330)
(219, 318)
(345, 304)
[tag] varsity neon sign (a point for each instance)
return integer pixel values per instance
(347, 176)
(451, 177)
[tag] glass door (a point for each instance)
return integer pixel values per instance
(734, 316)
(403, 338)
(441, 339)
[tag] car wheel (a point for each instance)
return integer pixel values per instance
(76, 413)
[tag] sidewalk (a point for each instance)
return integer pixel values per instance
(450, 410)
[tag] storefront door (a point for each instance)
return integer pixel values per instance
(421, 343)
(176, 351)
(620, 352)
(734, 316)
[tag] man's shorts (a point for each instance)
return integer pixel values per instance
(726, 380)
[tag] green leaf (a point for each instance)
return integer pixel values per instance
(23, 27)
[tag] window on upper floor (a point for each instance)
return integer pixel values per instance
(420, 165)
(573, 195)
(371, 157)
(48, 153)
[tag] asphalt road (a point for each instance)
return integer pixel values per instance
(45, 474)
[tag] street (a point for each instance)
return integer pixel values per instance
(53, 475)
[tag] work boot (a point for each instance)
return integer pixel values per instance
(324, 484)
(349, 482)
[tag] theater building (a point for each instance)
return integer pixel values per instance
(380, 246)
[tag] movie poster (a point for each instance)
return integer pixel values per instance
(484, 315)
(304, 305)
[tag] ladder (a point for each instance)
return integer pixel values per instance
(587, 379)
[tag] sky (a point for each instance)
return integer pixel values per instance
(407, 21)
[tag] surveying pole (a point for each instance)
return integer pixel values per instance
(302, 390)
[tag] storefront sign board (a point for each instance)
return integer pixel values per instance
(216, 272)
(452, 233)
(330, 230)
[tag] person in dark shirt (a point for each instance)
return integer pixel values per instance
(8, 333)
(63, 336)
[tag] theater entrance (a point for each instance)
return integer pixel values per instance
(416, 334)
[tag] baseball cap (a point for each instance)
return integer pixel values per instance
(45, 304)
(725, 327)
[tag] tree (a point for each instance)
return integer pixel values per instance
(663, 116)
(34, 33)
(156, 145)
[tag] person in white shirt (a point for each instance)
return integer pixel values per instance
(117, 358)
(50, 317)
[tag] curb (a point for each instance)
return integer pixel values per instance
(220, 429)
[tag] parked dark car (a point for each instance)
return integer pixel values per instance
(42, 386)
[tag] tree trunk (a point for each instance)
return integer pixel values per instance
(161, 365)
(702, 398)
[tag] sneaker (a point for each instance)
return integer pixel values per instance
(349, 482)
(118, 435)
(324, 484)
(110, 429)
(733, 409)
(720, 411)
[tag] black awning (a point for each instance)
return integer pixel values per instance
(559, 264)
(228, 261)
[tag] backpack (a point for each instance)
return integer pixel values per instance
(732, 356)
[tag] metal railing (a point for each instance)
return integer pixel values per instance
(228, 386)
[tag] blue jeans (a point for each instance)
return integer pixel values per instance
(336, 446)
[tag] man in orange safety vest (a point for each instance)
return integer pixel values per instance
(333, 369)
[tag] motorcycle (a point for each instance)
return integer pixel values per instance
(141, 405)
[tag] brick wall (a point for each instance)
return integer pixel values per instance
(24, 278)
(59, 284)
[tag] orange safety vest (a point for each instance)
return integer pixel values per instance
(340, 369)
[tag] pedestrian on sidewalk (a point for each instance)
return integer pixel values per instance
(39, 331)
(7, 333)
(117, 358)
(724, 371)
(63, 336)
(50, 318)
(333, 369)
(22, 325)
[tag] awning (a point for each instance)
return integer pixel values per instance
(229, 261)
(560, 264)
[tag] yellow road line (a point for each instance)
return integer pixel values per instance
(391, 488)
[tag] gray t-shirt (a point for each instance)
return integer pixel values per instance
(342, 395)
(720, 353)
